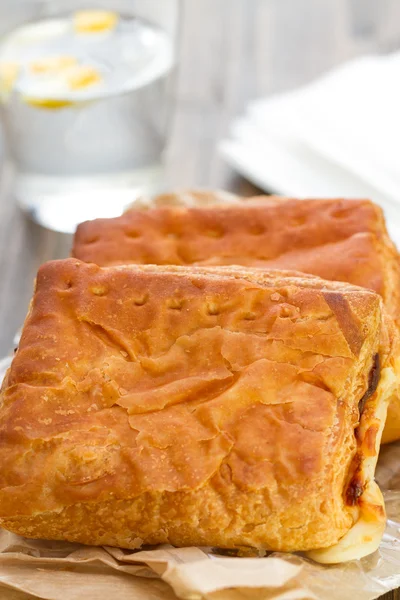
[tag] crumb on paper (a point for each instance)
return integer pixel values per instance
(95, 21)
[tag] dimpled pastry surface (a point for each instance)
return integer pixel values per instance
(191, 406)
(336, 239)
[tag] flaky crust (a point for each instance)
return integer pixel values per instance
(336, 239)
(190, 406)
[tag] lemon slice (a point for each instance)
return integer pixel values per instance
(82, 76)
(47, 103)
(95, 21)
(8, 75)
(52, 64)
(71, 79)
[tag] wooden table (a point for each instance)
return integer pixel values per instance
(231, 51)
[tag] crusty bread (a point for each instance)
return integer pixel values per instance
(196, 406)
(336, 239)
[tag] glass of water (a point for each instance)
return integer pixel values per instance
(85, 100)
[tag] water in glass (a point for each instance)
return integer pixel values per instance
(85, 107)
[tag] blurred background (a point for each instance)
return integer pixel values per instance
(228, 54)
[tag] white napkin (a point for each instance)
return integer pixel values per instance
(339, 136)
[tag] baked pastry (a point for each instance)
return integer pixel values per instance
(336, 239)
(221, 406)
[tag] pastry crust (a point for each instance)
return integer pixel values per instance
(336, 239)
(195, 406)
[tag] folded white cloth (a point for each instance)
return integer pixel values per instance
(339, 136)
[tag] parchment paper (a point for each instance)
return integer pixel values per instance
(63, 571)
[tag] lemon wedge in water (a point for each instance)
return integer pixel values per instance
(47, 103)
(8, 75)
(78, 77)
(82, 76)
(52, 64)
(95, 21)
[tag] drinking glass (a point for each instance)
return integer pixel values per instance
(86, 99)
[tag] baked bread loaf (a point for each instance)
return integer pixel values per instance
(221, 406)
(336, 239)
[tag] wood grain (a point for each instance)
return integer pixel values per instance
(231, 51)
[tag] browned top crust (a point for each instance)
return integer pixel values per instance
(337, 239)
(136, 380)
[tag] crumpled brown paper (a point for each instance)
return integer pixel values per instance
(64, 571)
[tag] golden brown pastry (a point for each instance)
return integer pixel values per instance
(343, 240)
(223, 406)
